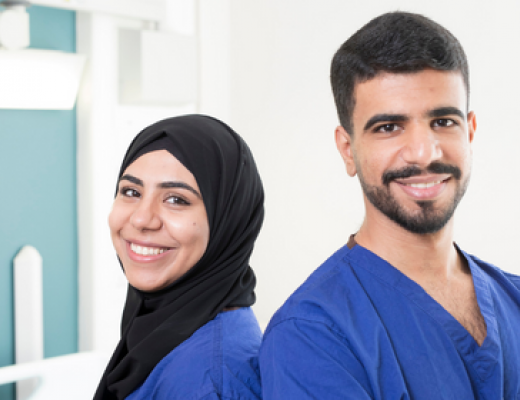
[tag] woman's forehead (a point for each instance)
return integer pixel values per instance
(158, 166)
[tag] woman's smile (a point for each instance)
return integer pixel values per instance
(142, 253)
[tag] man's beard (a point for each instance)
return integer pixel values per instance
(426, 220)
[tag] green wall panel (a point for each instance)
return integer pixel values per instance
(38, 202)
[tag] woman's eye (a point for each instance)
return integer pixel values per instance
(177, 200)
(127, 192)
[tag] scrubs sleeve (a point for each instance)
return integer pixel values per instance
(302, 359)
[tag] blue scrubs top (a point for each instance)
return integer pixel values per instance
(217, 362)
(360, 329)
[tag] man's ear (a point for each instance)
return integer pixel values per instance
(344, 145)
(472, 126)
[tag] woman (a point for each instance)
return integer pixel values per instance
(188, 208)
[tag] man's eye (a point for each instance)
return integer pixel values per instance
(387, 128)
(177, 200)
(127, 192)
(444, 122)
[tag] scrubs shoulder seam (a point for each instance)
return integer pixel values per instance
(347, 259)
(333, 264)
(331, 326)
(334, 270)
(299, 294)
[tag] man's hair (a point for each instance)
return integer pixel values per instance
(396, 42)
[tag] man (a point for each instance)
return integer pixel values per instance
(400, 312)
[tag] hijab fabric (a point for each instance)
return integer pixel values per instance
(154, 323)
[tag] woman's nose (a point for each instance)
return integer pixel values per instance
(146, 216)
(422, 147)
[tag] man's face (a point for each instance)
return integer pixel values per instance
(411, 147)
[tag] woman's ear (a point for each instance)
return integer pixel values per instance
(344, 145)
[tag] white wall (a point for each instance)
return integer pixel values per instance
(281, 103)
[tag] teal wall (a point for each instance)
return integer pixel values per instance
(38, 201)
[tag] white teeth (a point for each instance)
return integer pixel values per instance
(146, 251)
(424, 185)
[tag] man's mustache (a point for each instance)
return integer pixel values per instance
(413, 170)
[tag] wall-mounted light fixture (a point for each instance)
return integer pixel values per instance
(33, 79)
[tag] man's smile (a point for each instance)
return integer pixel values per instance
(423, 187)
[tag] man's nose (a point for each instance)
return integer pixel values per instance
(421, 146)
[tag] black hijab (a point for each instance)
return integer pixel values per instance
(154, 323)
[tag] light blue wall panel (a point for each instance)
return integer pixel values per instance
(38, 201)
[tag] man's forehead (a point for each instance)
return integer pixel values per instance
(415, 92)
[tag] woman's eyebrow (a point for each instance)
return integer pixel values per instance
(163, 185)
(182, 185)
(132, 179)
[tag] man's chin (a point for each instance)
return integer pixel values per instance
(426, 221)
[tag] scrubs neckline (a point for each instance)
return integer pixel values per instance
(482, 358)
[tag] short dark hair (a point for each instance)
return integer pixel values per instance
(397, 42)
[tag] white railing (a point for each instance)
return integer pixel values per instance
(28, 313)
(74, 376)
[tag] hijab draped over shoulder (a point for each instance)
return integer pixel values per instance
(154, 323)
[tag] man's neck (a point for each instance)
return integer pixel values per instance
(420, 257)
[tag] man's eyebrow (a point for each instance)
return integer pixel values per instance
(132, 179)
(385, 118)
(444, 111)
(182, 185)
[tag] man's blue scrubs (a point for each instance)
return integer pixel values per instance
(360, 329)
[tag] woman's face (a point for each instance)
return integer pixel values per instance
(158, 222)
